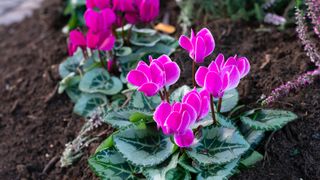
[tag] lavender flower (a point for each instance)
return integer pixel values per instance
(309, 45)
(300, 82)
(274, 19)
(314, 14)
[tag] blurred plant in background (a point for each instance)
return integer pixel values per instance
(276, 12)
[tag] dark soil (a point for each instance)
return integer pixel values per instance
(36, 123)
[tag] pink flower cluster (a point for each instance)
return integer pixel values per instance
(103, 16)
(221, 75)
(178, 118)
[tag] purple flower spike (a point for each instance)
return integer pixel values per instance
(148, 10)
(76, 39)
(176, 120)
(101, 4)
(148, 79)
(199, 46)
(221, 75)
(199, 101)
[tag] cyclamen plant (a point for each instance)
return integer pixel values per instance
(174, 136)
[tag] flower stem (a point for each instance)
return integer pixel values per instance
(161, 95)
(212, 110)
(166, 94)
(101, 60)
(219, 104)
(194, 74)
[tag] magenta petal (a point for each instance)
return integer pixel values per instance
(177, 107)
(77, 38)
(92, 19)
(149, 89)
(161, 113)
(157, 75)
(208, 40)
(234, 78)
(213, 84)
(90, 4)
(108, 17)
(200, 49)
(185, 122)
(164, 59)
(92, 40)
(201, 75)
(173, 121)
(193, 99)
(231, 61)
(184, 140)
(210, 44)
(244, 64)
(205, 101)
(214, 67)
(225, 80)
(142, 66)
(107, 44)
(137, 78)
(172, 72)
(185, 43)
(241, 65)
(220, 60)
(191, 111)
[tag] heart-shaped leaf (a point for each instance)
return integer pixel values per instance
(218, 172)
(88, 103)
(267, 119)
(73, 90)
(178, 174)
(109, 164)
(140, 101)
(159, 172)
(251, 160)
(218, 145)
(143, 147)
(71, 64)
(99, 81)
(189, 164)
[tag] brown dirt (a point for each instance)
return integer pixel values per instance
(33, 131)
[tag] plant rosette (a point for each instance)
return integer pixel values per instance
(193, 132)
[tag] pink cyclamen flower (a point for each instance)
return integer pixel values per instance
(199, 101)
(151, 78)
(101, 4)
(199, 46)
(76, 39)
(221, 76)
(176, 119)
(171, 69)
(148, 10)
(101, 40)
(99, 21)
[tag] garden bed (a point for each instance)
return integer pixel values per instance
(36, 123)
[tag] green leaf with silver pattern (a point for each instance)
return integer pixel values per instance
(110, 165)
(218, 145)
(88, 103)
(144, 147)
(267, 119)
